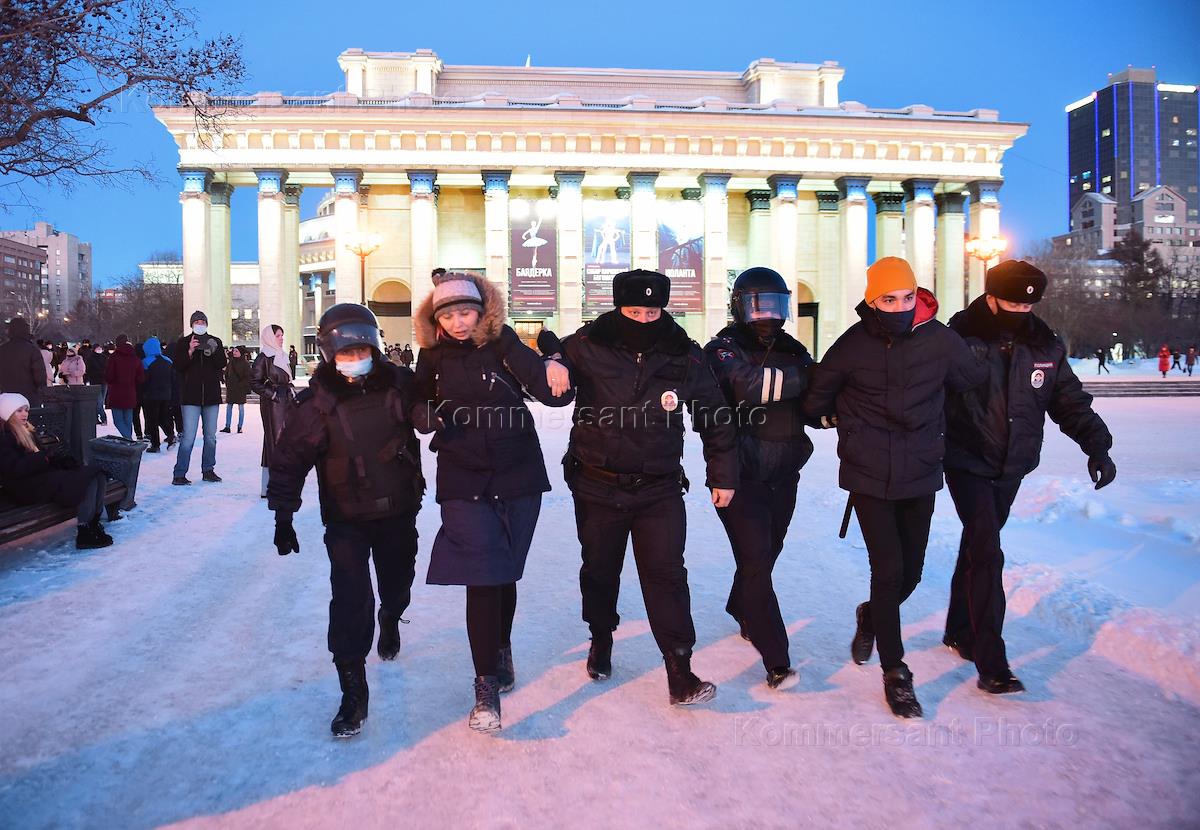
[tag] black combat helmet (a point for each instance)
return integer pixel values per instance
(760, 294)
(346, 325)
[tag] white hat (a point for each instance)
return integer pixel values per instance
(10, 402)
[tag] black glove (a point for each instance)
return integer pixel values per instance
(285, 534)
(548, 343)
(1102, 470)
(64, 462)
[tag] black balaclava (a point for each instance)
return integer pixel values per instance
(765, 331)
(639, 337)
(896, 323)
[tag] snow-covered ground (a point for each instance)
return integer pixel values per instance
(1138, 369)
(181, 676)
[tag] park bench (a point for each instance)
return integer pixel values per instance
(18, 521)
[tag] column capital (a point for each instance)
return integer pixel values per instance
(984, 191)
(759, 199)
(346, 181)
(642, 181)
(827, 201)
(495, 181)
(421, 181)
(783, 186)
(950, 202)
(569, 179)
(690, 194)
(853, 188)
(919, 190)
(291, 195)
(196, 180)
(270, 182)
(714, 183)
(889, 201)
(623, 193)
(220, 193)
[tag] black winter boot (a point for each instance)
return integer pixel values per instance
(88, 538)
(352, 676)
(599, 662)
(506, 675)
(1005, 683)
(783, 677)
(864, 636)
(898, 689)
(685, 687)
(962, 649)
(485, 716)
(112, 512)
(389, 636)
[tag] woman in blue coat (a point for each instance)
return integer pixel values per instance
(471, 375)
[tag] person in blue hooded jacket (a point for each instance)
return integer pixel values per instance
(156, 393)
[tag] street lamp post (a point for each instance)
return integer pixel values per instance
(986, 249)
(362, 246)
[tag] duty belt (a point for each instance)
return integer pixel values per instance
(626, 481)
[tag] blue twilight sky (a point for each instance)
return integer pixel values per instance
(1026, 59)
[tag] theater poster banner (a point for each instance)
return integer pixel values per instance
(533, 287)
(681, 253)
(605, 251)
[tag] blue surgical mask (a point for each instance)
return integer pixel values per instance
(355, 368)
(199, 328)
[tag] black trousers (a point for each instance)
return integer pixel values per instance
(158, 416)
(659, 530)
(392, 543)
(756, 522)
(976, 614)
(896, 533)
(490, 612)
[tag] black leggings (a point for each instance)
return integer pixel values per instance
(490, 610)
(92, 502)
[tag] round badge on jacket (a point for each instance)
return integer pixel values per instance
(669, 400)
(1037, 378)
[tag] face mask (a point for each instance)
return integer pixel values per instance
(355, 368)
(766, 330)
(1011, 320)
(199, 328)
(896, 323)
(637, 336)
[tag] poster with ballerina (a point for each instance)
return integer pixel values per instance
(533, 283)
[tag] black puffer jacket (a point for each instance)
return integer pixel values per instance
(889, 394)
(305, 440)
(764, 385)
(629, 407)
(200, 371)
(470, 394)
(996, 429)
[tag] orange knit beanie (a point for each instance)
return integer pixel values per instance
(889, 274)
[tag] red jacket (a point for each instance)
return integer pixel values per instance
(123, 374)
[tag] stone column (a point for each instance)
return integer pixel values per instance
(985, 223)
(829, 276)
(758, 236)
(345, 229)
(195, 205)
(291, 267)
(918, 229)
(270, 247)
(783, 233)
(643, 221)
(570, 250)
(220, 299)
(889, 224)
(318, 284)
(423, 227)
(852, 208)
(496, 237)
(715, 199)
(951, 289)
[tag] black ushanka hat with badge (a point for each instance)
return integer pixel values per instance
(641, 288)
(1015, 280)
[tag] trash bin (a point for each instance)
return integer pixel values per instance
(120, 459)
(80, 402)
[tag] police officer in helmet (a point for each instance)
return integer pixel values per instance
(352, 423)
(763, 372)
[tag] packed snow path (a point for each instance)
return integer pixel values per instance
(181, 675)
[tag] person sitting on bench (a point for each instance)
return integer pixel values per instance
(33, 473)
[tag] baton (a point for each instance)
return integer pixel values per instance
(846, 518)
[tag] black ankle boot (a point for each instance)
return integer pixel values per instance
(485, 716)
(352, 677)
(389, 636)
(88, 538)
(506, 675)
(112, 512)
(685, 687)
(599, 662)
(864, 636)
(1005, 683)
(898, 689)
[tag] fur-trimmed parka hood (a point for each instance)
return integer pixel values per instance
(491, 322)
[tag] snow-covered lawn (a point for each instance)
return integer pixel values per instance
(181, 675)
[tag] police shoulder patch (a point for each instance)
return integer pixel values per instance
(724, 354)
